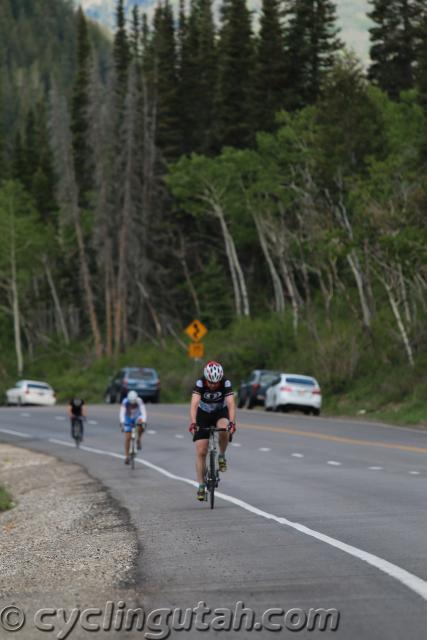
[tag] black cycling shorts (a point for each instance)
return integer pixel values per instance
(205, 419)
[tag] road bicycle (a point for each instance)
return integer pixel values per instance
(212, 467)
(132, 447)
(77, 429)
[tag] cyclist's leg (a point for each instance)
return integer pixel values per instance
(224, 437)
(141, 429)
(201, 453)
(128, 436)
(72, 423)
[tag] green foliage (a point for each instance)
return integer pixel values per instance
(236, 64)
(394, 41)
(311, 48)
(6, 501)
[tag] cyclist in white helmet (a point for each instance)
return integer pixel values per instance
(212, 403)
(132, 411)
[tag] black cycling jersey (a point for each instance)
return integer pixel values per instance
(212, 400)
(76, 405)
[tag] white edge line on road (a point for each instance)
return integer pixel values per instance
(409, 580)
(151, 431)
(65, 444)
(59, 418)
(297, 455)
(414, 473)
(264, 449)
(25, 415)
(236, 444)
(15, 433)
(334, 463)
(92, 422)
(375, 468)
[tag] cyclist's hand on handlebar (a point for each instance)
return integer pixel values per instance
(192, 428)
(232, 427)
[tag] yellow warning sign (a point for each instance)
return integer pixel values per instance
(196, 350)
(196, 330)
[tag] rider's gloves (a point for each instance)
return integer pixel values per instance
(232, 427)
(192, 428)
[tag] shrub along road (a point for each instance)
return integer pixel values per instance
(315, 513)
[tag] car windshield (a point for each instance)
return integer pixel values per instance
(141, 374)
(267, 378)
(38, 386)
(297, 380)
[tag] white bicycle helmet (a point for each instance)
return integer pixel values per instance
(132, 397)
(213, 371)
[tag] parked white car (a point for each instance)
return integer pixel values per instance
(31, 392)
(291, 391)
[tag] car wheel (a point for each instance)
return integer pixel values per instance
(155, 399)
(109, 398)
(240, 403)
(316, 412)
(267, 407)
(307, 412)
(249, 404)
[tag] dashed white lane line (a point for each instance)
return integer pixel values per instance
(334, 463)
(92, 422)
(151, 431)
(265, 449)
(59, 418)
(409, 580)
(297, 455)
(414, 473)
(236, 444)
(15, 433)
(179, 435)
(25, 415)
(375, 468)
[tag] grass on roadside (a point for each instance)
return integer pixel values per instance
(5, 500)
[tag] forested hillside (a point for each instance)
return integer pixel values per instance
(263, 183)
(37, 49)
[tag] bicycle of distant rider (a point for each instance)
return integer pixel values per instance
(77, 429)
(132, 448)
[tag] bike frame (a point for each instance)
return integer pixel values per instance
(77, 426)
(212, 466)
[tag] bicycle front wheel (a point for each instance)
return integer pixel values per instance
(212, 478)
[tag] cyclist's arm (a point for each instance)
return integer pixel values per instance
(70, 411)
(231, 406)
(195, 401)
(122, 414)
(84, 414)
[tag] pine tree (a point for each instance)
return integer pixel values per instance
(79, 112)
(135, 38)
(168, 136)
(121, 55)
(270, 69)
(235, 83)
(311, 47)
(421, 69)
(394, 44)
(197, 76)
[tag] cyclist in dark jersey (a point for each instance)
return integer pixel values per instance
(76, 409)
(212, 404)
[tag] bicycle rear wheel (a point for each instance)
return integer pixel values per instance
(212, 478)
(132, 454)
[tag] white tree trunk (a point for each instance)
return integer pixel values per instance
(279, 298)
(15, 302)
(56, 302)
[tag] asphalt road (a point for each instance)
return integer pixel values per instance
(315, 513)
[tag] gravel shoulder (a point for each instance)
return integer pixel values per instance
(66, 544)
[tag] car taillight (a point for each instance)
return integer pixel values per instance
(316, 392)
(255, 387)
(158, 383)
(286, 389)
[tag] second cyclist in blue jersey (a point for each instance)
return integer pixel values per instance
(132, 413)
(212, 404)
